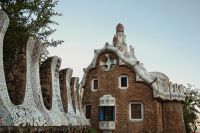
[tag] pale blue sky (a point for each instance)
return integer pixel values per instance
(164, 33)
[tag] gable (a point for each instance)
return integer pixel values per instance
(122, 55)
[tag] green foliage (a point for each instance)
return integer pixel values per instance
(92, 130)
(28, 18)
(190, 109)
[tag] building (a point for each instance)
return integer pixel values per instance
(120, 95)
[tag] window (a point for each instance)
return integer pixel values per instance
(123, 82)
(88, 111)
(94, 84)
(136, 111)
(106, 113)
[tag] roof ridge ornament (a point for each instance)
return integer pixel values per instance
(108, 62)
(119, 28)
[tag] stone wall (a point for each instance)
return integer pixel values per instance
(173, 117)
(63, 89)
(37, 93)
(46, 82)
(16, 78)
(73, 95)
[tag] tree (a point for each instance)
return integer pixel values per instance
(28, 18)
(190, 109)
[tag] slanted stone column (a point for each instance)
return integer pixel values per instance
(31, 115)
(173, 117)
(28, 113)
(5, 116)
(49, 75)
(65, 79)
(74, 93)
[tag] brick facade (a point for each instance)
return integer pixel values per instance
(173, 117)
(159, 116)
(137, 91)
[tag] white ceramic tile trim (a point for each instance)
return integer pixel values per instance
(32, 111)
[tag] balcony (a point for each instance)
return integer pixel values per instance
(107, 125)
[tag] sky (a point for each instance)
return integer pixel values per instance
(164, 33)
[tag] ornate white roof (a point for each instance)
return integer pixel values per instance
(159, 82)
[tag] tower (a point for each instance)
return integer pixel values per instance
(119, 40)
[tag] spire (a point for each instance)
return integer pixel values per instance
(119, 40)
(120, 37)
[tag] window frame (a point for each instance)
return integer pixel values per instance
(114, 111)
(90, 110)
(92, 84)
(142, 112)
(120, 80)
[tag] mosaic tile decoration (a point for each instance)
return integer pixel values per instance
(32, 111)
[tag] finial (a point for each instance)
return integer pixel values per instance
(120, 28)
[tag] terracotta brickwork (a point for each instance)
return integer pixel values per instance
(158, 99)
(173, 117)
(136, 92)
